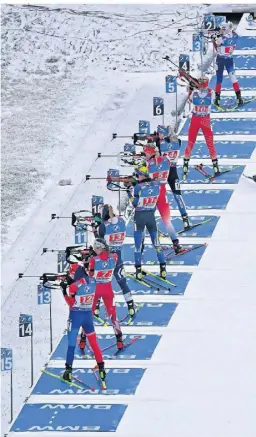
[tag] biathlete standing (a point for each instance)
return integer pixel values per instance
(202, 100)
(79, 297)
(144, 199)
(225, 45)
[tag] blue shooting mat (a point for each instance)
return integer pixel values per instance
(205, 230)
(202, 199)
(68, 417)
(245, 62)
(195, 177)
(230, 102)
(225, 149)
(149, 314)
(245, 82)
(119, 382)
(228, 126)
(180, 280)
(246, 43)
(142, 349)
(149, 255)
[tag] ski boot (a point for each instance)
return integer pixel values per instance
(163, 271)
(185, 168)
(239, 99)
(82, 342)
(216, 169)
(102, 371)
(138, 273)
(119, 341)
(186, 222)
(67, 375)
(217, 100)
(131, 309)
(97, 309)
(177, 247)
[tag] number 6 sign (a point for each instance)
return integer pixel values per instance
(158, 106)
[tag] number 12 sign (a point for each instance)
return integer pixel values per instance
(158, 106)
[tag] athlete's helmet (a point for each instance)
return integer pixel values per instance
(226, 27)
(105, 213)
(141, 171)
(100, 243)
(203, 82)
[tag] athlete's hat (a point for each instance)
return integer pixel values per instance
(141, 171)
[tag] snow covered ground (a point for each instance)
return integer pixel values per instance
(61, 66)
(58, 136)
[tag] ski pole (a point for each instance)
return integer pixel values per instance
(84, 383)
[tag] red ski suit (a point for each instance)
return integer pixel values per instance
(158, 169)
(201, 120)
(101, 267)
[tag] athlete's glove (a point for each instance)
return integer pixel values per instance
(64, 286)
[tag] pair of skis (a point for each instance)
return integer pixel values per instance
(172, 255)
(72, 384)
(152, 280)
(233, 108)
(162, 234)
(131, 318)
(102, 383)
(208, 176)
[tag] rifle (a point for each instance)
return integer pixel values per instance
(192, 81)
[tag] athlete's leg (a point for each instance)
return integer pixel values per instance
(208, 134)
(192, 135)
(121, 279)
(74, 323)
(164, 209)
(88, 328)
(139, 225)
(229, 64)
(230, 67)
(108, 299)
(219, 73)
(173, 180)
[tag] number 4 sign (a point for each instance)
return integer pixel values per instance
(184, 62)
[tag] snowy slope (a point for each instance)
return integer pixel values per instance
(60, 68)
